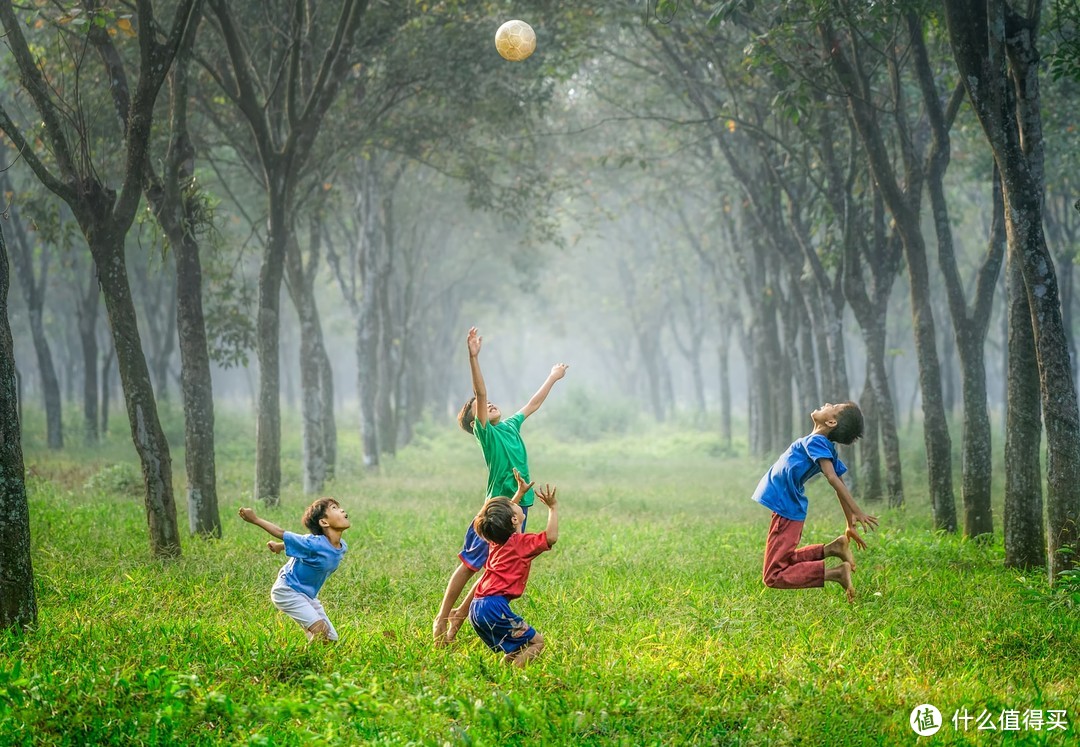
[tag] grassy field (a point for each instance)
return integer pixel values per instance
(659, 629)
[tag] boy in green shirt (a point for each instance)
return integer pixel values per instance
(504, 452)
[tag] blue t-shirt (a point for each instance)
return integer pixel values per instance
(311, 561)
(503, 451)
(781, 488)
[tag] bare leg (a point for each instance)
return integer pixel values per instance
(458, 579)
(841, 574)
(460, 614)
(841, 548)
(526, 653)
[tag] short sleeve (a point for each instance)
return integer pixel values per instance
(299, 545)
(515, 421)
(534, 544)
(819, 447)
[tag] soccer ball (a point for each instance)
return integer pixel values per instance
(515, 40)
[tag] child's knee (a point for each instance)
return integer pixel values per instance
(771, 576)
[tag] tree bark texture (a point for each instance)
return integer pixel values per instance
(994, 48)
(1025, 540)
(18, 605)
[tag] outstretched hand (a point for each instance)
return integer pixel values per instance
(248, 514)
(854, 537)
(547, 495)
(559, 370)
(522, 487)
(862, 520)
(474, 340)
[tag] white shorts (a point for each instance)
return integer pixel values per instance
(300, 607)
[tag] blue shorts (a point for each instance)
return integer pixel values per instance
(474, 550)
(498, 626)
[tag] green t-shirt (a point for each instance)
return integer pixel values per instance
(503, 450)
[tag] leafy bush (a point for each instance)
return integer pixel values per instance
(116, 479)
(590, 416)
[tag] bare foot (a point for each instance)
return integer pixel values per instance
(438, 631)
(841, 548)
(454, 625)
(843, 577)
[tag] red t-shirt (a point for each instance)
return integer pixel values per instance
(507, 566)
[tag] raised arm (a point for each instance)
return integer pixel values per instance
(547, 495)
(522, 486)
(856, 517)
(480, 409)
(248, 515)
(557, 372)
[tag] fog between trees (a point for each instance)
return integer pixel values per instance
(721, 215)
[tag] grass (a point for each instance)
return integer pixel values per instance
(659, 629)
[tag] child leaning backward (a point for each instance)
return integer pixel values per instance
(502, 522)
(781, 490)
(504, 452)
(312, 558)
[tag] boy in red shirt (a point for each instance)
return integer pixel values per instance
(506, 572)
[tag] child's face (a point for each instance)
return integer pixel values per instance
(335, 518)
(826, 414)
(494, 414)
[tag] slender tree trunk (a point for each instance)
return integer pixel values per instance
(724, 373)
(1025, 542)
(106, 389)
(88, 322)
(869, 450)
(311, 371)
(18, 606)
(146, 432)
(33, 289)
(902, 206)
(329, 423)
(268, 347)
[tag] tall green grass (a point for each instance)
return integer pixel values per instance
(659, 629)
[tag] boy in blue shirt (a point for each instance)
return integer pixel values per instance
(504, 452)
(788, 566)
(312, 558)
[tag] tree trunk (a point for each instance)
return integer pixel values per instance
(33, 289)
(1025, 542)
(88, 318)
(724, 373)
(106, 389)
(197, 390)
(268, 347)
(902, 204)
(146, 432)
(18, 606)
(312, 355)
(870, 488)
(998, 63)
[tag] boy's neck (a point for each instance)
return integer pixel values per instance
(334, 535)
(821, 430)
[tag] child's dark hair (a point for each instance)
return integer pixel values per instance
(315, 512)
(466, 417)
(849, 424)
(495, 522)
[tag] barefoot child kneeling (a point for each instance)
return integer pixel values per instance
(506, 571)
(312, 558)
(781, 490)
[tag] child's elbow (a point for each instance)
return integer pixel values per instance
(552, 539)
